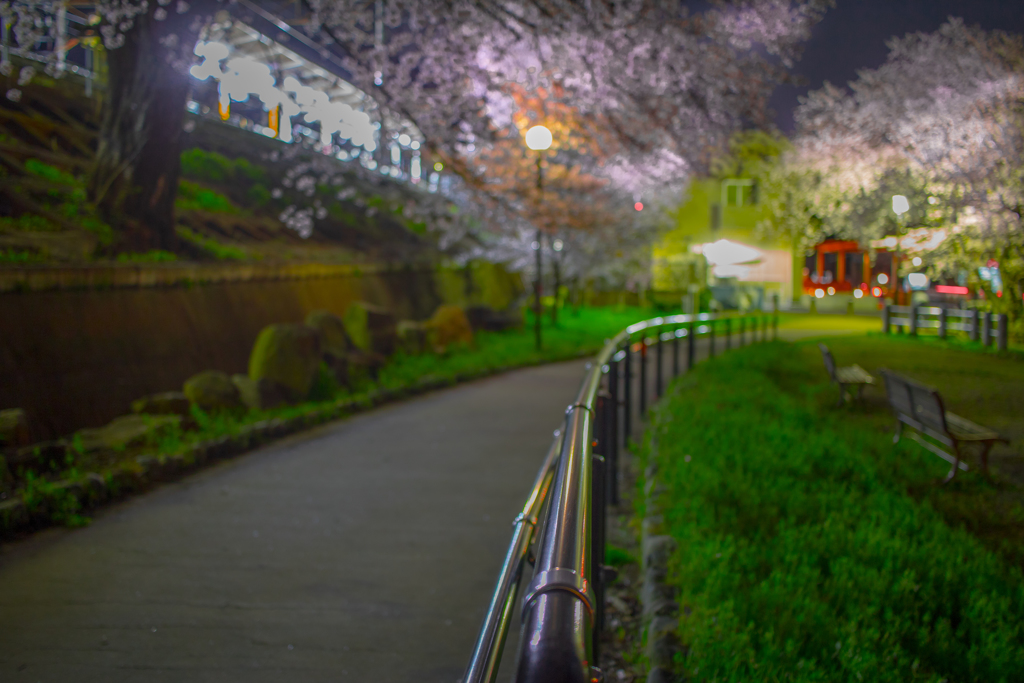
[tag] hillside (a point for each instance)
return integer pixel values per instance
(234, 188)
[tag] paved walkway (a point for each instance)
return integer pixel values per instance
(363, 551)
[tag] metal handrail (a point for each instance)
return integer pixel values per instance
(563, 604)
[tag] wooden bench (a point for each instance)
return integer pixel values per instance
(848, 376)
(921, 407)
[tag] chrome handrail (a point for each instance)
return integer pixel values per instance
(560, 606)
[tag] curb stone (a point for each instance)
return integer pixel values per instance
(94, 489)
(659, 608)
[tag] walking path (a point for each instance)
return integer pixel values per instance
(365, 550)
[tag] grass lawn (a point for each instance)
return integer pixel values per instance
(813, 549)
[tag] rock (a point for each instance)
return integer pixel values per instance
(14, 431)
(212, 391)
(412, 337)
(333, 338)
(288, 355)
(125, 431)
(448, 326)
(260, 394)
(166, 403)
(371, 328)
(491, 320)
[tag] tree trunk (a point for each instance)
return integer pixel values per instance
(135, 178)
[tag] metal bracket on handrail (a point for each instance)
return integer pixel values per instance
(560, 579)
(582, 406)
(529, 519)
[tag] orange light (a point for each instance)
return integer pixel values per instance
(877, 291)
(638, 206)
(224, 108)
(274, 120)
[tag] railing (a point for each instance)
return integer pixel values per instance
(563, 519)
(977, 324)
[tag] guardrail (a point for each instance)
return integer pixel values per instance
(977, 324)
(561, 527)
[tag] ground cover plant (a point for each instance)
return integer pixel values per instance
(813, 549)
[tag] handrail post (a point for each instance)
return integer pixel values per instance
(711, 338)
(691, 340)
(613, 433)
(728, 333)
(675, 352)
(975, 324)
(658, 366)
(598, 507)
(986, 329)
(943, 323)
(1002, 335)
(913, 320)
(643, 373)
(627, 390)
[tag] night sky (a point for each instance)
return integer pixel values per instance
(852, 36)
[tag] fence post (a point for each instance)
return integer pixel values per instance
(675, 352)
(743, 325)
(986, 329)
(597, 549)
(775, 327)
(691, 340)
(613, 433)
(728, 333)
(627, 391)
(886, 313)
(1003, 333)
(643, 373)
(711, 338)
(913, 320)
(943, 323)
(658, 366)
(975, 324)
(764, 330)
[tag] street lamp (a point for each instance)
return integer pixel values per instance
(900, 206)
(538, 138)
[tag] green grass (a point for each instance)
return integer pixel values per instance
(813, 549)
(151, 256)
(221, 252)
(195, 197)
(20, 256)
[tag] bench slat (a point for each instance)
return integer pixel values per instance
(854, 374)
(965, 430)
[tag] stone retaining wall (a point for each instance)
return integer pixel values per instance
(78, 344)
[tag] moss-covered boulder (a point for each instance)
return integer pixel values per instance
(487, 318)
(371, 328)
(124, 432)
(334, 340)
(166, 403)
(14, 429)
(412, 337)
(361, 367)
(287, 355)
(260, 394)
(213, 391)
(447, 327)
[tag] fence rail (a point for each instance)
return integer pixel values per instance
(561, 527)
(979, 325)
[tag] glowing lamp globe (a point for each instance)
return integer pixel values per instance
(900, 204)
(538, 138)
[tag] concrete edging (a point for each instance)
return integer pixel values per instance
(659, 607)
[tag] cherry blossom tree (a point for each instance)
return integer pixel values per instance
(654, 87)
(941, 123)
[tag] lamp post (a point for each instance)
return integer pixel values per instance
(900, 206)
(538, 138)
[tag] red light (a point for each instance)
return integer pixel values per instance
(950, 289)
(639, 206)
